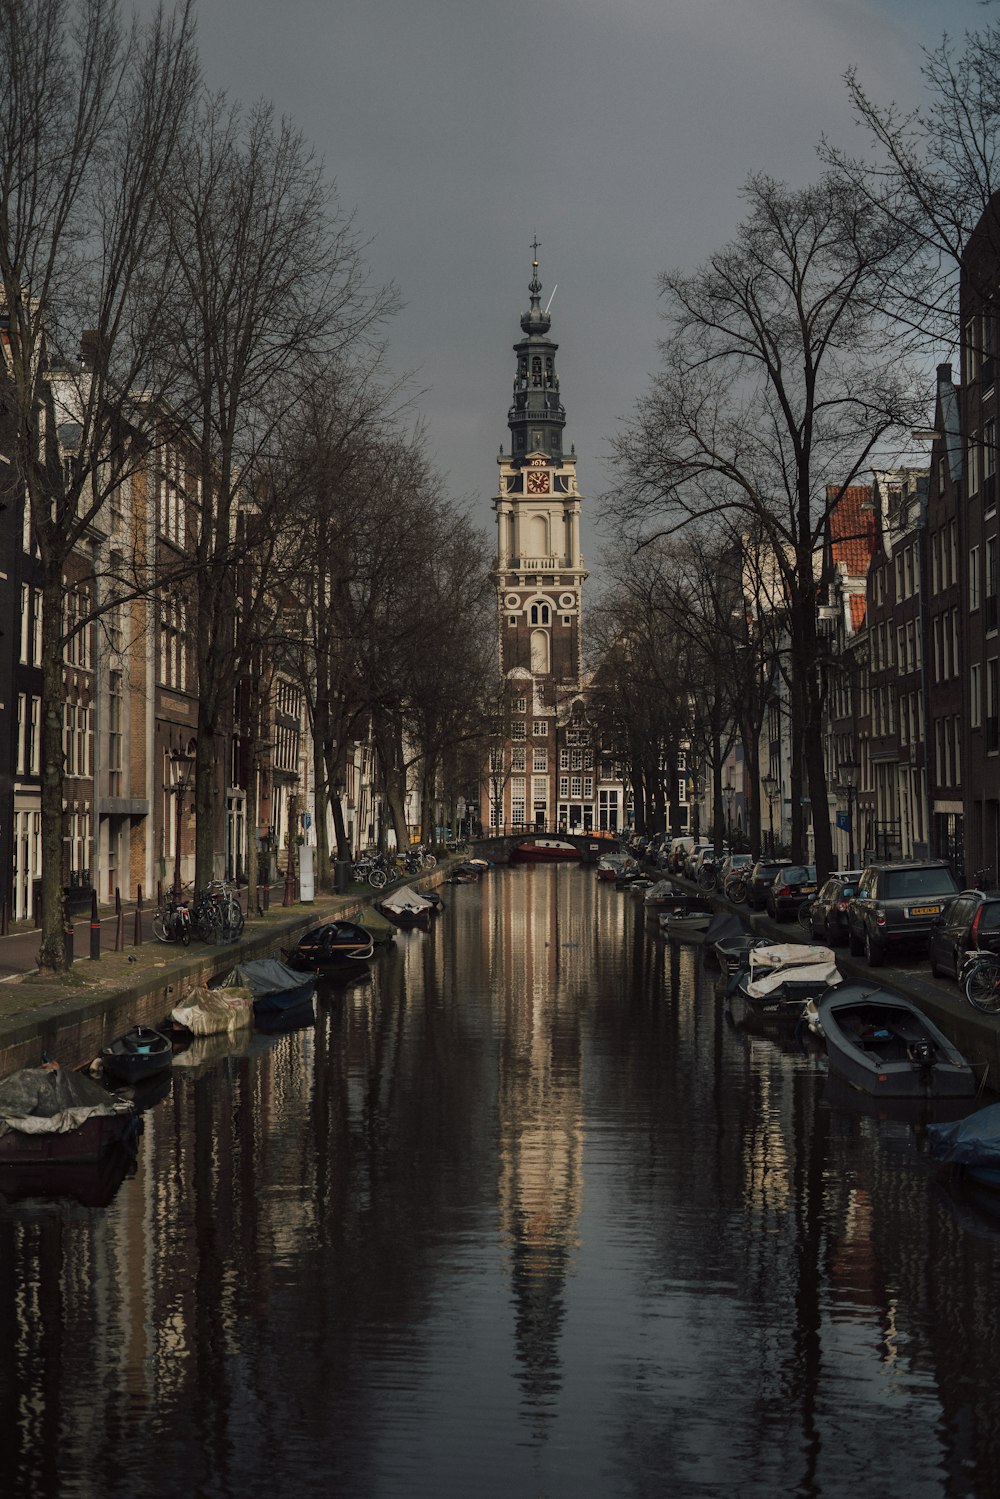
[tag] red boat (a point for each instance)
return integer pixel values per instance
(544, 851)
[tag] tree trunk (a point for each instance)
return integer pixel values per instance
(52, 951)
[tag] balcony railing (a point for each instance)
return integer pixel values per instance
(535, 564)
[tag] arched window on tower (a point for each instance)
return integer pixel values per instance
(539, 651)
(548, 371)
(536, 371)
(539, 614)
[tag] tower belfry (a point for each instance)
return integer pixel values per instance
(540, 576)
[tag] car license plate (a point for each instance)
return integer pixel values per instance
(925, 911)
(808, 889)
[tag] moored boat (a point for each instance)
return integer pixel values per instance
(685, 926)
(544, 850)
(207, 1012)
(972, 1143)
(140, 1053)
(274, 987)
(883, 1044)
(408, 908)
(332, 946)
(611, 866)
(53, 1116)
(780, 977)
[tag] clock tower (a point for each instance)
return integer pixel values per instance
(540, 576)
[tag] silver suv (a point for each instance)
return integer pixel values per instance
(895, 906)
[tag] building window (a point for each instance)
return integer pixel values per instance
(992, 698)
(972, 464)
(976, 696)
(974, 579)
(518, 731)
(540, 729)
(540, 760)
(518, 759)
(564, 787)
(576, 787)
(520, 705)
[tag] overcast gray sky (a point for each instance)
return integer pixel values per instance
(620, 130)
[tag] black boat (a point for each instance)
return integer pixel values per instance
(330, 947)
(883, 1044)
(139, 1053)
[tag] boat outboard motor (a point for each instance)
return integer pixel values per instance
(921, 1054)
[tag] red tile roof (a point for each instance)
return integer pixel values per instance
(858, 602)
(851, 528)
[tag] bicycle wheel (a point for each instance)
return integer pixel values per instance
(804, 915)
(735, 889)
(429, 861)
(982, 988)
(359, 873)
(377, 877)
(164, 928)
(233, 920)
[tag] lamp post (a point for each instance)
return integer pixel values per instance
(179, 788)
(770, 787)
(729, 792)
(849, 772)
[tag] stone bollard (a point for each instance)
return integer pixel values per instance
(137, 932)
(68, 937)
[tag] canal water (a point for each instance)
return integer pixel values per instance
(523, 1215)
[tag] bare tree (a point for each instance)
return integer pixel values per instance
(780, 383)
(932, 173)
(90, 112)
(272, 289)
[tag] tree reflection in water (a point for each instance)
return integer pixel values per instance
(522, 1213)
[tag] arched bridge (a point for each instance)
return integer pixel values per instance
(497, 847)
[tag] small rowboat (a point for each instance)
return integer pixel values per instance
(333, 946)
(138, 1054)
(883, 1044)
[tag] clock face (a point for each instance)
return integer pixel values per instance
(538, 483)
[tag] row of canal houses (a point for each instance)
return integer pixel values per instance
(911, 628)
(131, 718)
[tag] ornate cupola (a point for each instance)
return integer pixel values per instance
(536, 417)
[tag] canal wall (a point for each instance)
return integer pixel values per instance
(71, 1018)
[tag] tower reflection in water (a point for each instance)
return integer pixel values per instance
(522, 1213)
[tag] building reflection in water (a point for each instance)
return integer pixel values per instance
(523, 1208)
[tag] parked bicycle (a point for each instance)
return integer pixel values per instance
(979, 976)
(371, 868)
(216, 914)
(736, 886)
(172, 921)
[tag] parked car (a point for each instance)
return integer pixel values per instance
(828, 913)
(970, 921)
(789, 888)
(895, 906)
(762, 879)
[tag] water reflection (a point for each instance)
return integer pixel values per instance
(521, 1213)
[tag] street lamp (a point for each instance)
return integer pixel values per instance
(182, 766)
(770, 787)
(729, 792)
(849, 772)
